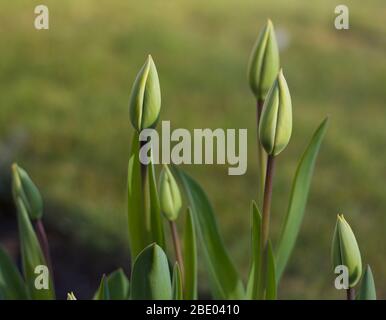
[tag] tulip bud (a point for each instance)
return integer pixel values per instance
(26, 190)
(170, 196)
(264, 62)
(345, 250)
(145, 97)
(275, 126)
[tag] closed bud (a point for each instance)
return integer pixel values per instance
(264, 62)
(345, 250)
(275, 126)
(170, 196)
(26, 190)
(145, 97)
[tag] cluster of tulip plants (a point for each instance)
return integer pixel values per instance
(153, 204)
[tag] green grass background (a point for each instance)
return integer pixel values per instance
(68, 89)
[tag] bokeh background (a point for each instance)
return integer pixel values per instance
(64, 118)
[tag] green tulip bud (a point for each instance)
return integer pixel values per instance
(264, 62)
(26, 190)
(145, 97)
(275, 126)
(345, 250)
(170, 196)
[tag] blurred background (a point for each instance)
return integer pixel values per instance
(64, 118)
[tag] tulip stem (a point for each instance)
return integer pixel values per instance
(42, 237)
(262, 157)
(265, 219)
(177, 246)
(350, 293)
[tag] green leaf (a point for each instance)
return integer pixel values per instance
(177, 283)
(254, 273)
(367, 290)
(103, 292)
(118, 285)
(12, 286)
(150, 279)
(32, 255)
(157, 231)
(144, 213)
(270, 293)
(138, 231)
(299, 193)
(225, 281)
(190, 258)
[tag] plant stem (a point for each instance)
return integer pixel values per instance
(350, 294)
(42, 237)
(266, 219)
(262, 156)
(177, 246)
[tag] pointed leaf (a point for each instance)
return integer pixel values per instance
(177, 283)
(138, 231)
(270, 293)
(103, 292)
(157, 231)
(225, 281)
(300, 189)
(32, 255)
(367, 290)
(190, 258)
(118, 285)
(150, 279)
(253, 280)
(12, 286)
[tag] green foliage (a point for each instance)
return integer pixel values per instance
(298, 199)
(367, 290)
(12, 286)
(118, 285)
(177, 291)
(150, 278)
(103, 292)
(225, 281)
(190, 258)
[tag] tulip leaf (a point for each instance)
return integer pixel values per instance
(12, 286)
(177, 283)
(118, 285)
(253, 280)
(270, 291)
(157, 231)
(367, 290)
(190, 258)
(32, 256)
(138, 232)
(103, 292)
(299, 193)
(150, 278)
(225, 281)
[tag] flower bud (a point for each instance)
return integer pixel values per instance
(145, 97)
(170, 196)
(26, 190)
(264, 62)
(345, 250)
(275, 126)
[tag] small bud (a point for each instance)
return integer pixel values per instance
(345, 250)
(26, 190)
(264, 62)
(170, 196)
(145, 97)
(275, 126)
